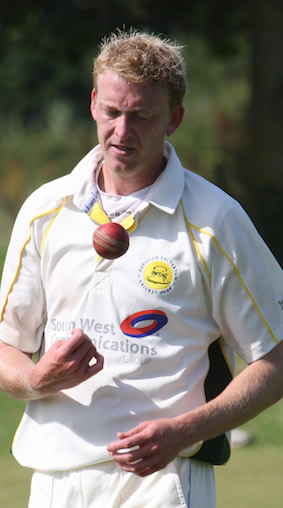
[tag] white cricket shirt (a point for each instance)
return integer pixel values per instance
(196, 269)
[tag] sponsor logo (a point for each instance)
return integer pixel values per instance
(103, 335)
(156, 320)
(158, 275)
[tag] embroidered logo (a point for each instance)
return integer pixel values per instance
(158, 275)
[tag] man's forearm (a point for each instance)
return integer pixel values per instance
(65, 365)
(15, 370)
(257, 387)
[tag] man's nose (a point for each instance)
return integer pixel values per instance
(122, 127)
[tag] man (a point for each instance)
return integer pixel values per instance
(196, 283)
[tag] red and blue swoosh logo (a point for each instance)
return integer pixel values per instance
(158, 318)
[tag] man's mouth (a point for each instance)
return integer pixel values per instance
(124, 149)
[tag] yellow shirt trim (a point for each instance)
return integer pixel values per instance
(202, 230)
(23, 248)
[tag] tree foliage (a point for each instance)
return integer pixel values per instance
(46, 47)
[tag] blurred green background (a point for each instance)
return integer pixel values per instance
(231, 134)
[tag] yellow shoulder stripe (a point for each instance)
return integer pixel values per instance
(24, 245)
(204, 231)
(189, 227)
(58, 210)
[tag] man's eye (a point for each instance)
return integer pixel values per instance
(112, 113)
(142, 117)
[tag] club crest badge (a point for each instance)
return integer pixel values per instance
(158, 275)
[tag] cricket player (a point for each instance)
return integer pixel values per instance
(133, 396)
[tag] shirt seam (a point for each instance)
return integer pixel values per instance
(22, 251)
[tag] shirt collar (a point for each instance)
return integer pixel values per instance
(79, 183)
(165, 192)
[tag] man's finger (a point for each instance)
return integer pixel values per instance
(75, 342)
(96, 367)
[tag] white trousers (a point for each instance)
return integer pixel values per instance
(182, 484)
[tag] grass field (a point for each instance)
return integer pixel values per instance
(14, 480)
(252, 478)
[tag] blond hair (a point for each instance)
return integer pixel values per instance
(143, 59)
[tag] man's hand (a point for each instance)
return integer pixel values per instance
(66, 364)
(148, 447)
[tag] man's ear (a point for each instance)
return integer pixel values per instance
(92, 104)
(175, 119)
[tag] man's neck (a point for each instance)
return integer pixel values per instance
(123, 186)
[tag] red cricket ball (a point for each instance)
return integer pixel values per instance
(110, 240)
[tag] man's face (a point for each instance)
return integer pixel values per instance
(132, 122)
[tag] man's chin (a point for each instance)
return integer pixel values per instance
(120, 167)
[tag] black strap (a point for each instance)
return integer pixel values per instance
(217, 450)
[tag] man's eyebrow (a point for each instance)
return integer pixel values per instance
(133, 109)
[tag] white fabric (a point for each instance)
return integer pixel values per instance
(118, 207)
(181, 484)
(192, 273)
